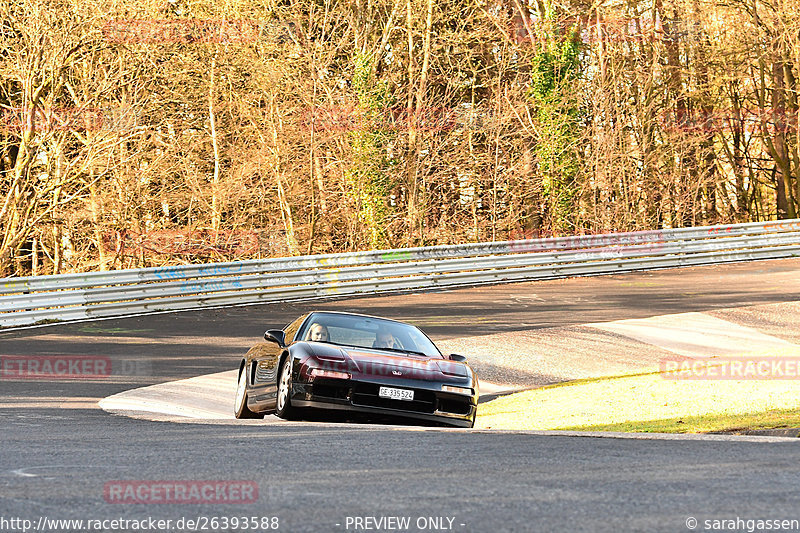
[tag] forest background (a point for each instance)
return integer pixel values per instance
(142, 133)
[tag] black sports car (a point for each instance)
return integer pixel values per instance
(350, 362)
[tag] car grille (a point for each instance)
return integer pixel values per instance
(366, 394)
(457, 407)
(330, 390)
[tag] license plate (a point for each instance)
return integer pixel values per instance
(395, 394)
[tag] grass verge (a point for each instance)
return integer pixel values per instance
(773, 419)
(653, 402)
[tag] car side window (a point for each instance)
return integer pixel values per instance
(291, 329)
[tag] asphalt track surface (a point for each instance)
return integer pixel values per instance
(58, 450)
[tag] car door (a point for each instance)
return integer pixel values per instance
(265, 367)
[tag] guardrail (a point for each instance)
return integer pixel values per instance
(25, 301)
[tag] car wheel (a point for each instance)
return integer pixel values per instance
(284, 407)
(240, 405)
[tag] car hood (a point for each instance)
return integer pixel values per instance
(375, 362)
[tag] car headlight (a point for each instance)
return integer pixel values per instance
(322, 373)
(457, 390)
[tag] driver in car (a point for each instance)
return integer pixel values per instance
(384, 339)
(317, 333)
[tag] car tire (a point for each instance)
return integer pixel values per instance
(284, 407)
(240, 409)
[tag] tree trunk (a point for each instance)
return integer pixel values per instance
(412, 153)
(96, 208)
(216, 211)
(779, 148)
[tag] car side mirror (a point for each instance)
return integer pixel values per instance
(456, 357)
(277, 336)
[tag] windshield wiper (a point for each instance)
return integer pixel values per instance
(337, 343)
(398, 350)
(402, 350)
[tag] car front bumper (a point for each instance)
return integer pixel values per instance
(429, 404)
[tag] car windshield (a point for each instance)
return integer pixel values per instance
(367, 332)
